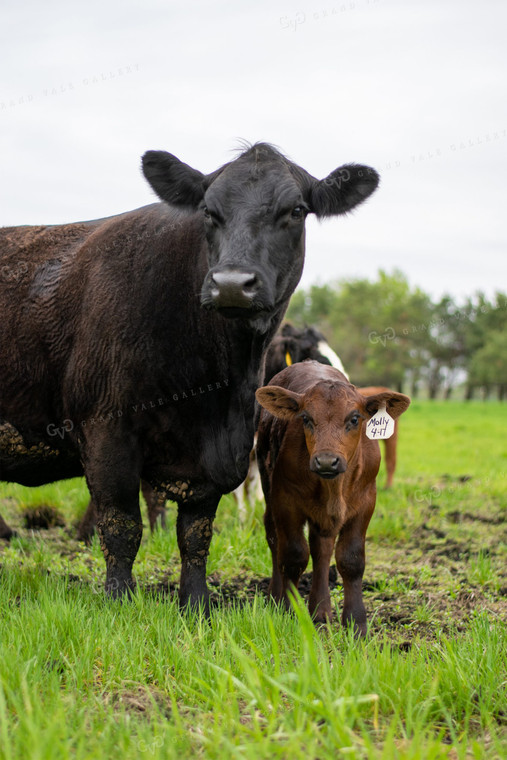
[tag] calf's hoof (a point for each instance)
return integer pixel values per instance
(321, 618)
(360, 629)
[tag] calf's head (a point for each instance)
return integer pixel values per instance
(332, 414)
(253, 211)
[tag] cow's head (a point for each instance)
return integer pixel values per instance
(254, 210)
(332, 414)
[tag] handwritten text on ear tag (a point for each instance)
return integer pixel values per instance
(381, 425)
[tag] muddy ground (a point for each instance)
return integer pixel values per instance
(447, 568)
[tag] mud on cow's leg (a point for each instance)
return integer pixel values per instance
(112, 469)
(194, 528)
(120, 538)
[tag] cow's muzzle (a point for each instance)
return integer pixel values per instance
(233, 291)
(327, 465)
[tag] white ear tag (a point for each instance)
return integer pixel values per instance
(381, 425)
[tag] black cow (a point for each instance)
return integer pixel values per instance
(293, 344)
(131, 347)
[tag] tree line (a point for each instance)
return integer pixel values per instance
(389, 333)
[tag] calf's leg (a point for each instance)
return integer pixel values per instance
(350, 561)
(321, 549)
(292, 554)
(275, 586)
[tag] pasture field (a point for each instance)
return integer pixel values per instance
(85, 677)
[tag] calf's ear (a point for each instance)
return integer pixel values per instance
(172, 180)
(278, 401)
(342, 190)
(396, 403)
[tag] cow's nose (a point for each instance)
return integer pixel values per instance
(328, 465)
(234, 288)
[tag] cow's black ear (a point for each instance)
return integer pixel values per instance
(342, 190)
(172, 180)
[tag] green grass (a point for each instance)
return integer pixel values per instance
(84, 677)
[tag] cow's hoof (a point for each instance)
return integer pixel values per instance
(6, 533)
(195, 605)
(122, 590)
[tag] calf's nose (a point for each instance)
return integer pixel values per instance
(233, 288)
(328, 465)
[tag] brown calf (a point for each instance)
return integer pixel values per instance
(318, 467)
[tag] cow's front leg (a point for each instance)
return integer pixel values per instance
(350, 561)
(275, 585)
(194, 527)
(120, 535)
(293, 553)
(112, 467)
(319, 601)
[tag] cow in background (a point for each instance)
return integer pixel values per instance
(292, 344)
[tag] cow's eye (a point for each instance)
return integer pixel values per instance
(212, 217)
(307, 421)
(353, 421)
(297, 212)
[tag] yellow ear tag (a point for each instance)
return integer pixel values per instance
(381, 425)
(288, 359)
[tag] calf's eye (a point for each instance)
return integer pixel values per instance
(307, 421)
(353, 421)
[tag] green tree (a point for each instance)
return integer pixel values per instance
(488, 365)
(379, 328)
(389, 333)
(483, 317)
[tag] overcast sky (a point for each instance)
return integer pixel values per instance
(417, 90)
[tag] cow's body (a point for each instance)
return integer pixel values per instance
(131, 347)
(319, 468)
